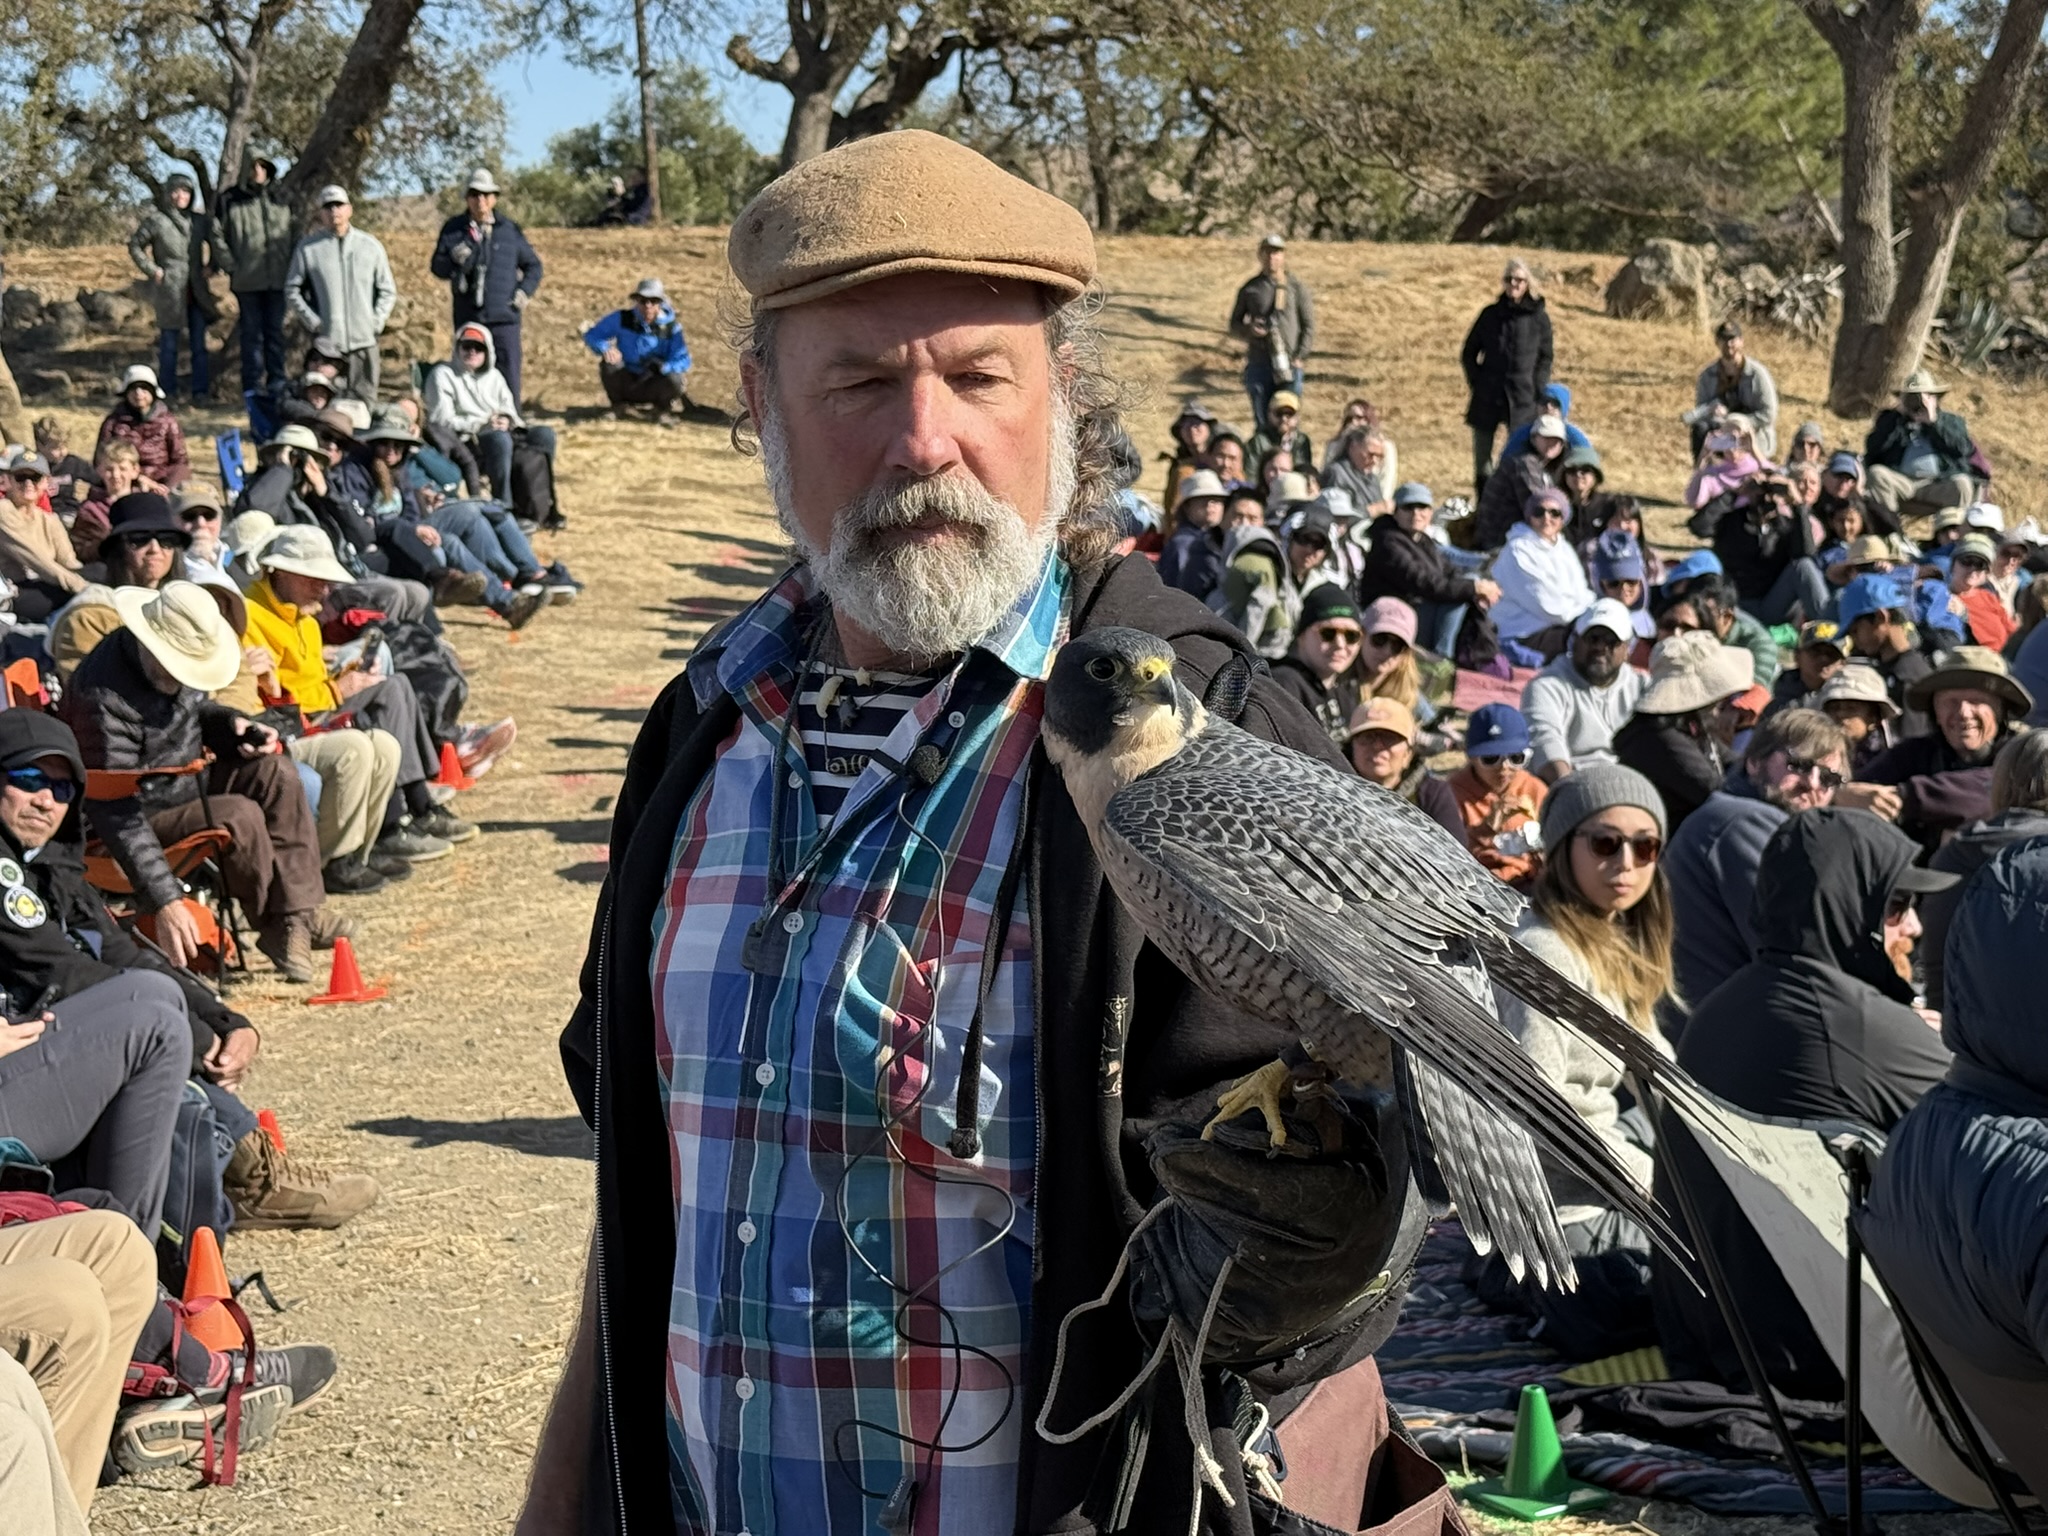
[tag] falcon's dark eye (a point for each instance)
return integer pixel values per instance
(1102, 669)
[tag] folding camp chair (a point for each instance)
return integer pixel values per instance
(23, 680)
(1788, 1178)
(198, 854)
(228, 449)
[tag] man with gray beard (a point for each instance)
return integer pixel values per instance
(902, 1193)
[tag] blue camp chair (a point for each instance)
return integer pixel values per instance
(228, 449)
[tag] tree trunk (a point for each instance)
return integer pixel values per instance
(340, 140)
(649, 149)
(810, 122)
(1856, 375)
(1484, 211)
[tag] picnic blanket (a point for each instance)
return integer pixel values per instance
(1453, 1371)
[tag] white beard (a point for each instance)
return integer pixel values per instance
(925, 601)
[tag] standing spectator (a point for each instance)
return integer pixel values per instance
(166, 247)
(2019, 813)
(1382, 746)
(1519, 477)
(1193, 557)
(642, 356)
(1736, 384)
(1543, 586)
(1876, 613)
(142, 416)
(252, 243)
(1322, 669)
(1280, 431)
(1795, 761)
(13, 420)
(1576, 704)
(339, 286)
(35, 552)
(1275, 318)
(1506, 358)
(1856, 700)
(470, 406)
(1918, 457)
(1944, 777)
(1497, 795)
(1404, 560)
(490, 268)
(1678, 737)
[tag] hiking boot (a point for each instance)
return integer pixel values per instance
(389, 867)
(288, 944)
(306, 1369)
(455, 587)
(478, 746)
(446, 826)
(349, 875)
(412, 846)
(164, 1432)
(329, 925)
(519, 611)
(272, 1192)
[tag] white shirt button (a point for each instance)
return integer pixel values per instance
(796, 780)
(792, 922)
(743, 1389)
(747, 1232)
(956, 719)
(764, 1074)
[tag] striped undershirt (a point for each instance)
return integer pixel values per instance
(863, 712)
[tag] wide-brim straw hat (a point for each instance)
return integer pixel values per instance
(182, 627)
(1922, 382)
(1695, 671)
(1972, 666)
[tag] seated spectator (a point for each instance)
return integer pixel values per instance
(1944, 777)
(1724, 468)
(71, 478)
(1624, 515)
(1795, 761)
(1841, 484)
(1680, 734)
(2019, 812)
(119, 471)
(1856, 700)
(1344, 551)
(1710, 605)
(1543, 587)
(140, 701)
(1516, 481)
(470, 405)
(1819, 653)
(1281, 431)
(1190, 451)
(142, 549)
(1555, 399)
(199, 511)
(1969, 580)
(143, 418)
(1261, 588)
(1226, 453)
(1579, 476)
(1321, 671)
(1390, 666)
(1875, 613)
(1358, 469)
(1805, 481)
(1819, 1025)
(1955, 1214)
(1767, 550)
(1362, 413)
(1382, 749)
(33, 1486)
(1843, 523)
(1497, 796)
(1918, 457)
(1600, 914)
(1618, 572)
(1809, 446)
(642, 356)
(1192, 559)
(1576, 704)
(35, 551)
(1735, 384)
(1404, 560)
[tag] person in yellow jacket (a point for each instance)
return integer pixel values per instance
(298, 571)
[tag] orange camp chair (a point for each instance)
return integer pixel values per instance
(197, 854)
(23, 680)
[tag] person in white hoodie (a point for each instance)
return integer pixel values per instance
(469, 405)
(1543, 587)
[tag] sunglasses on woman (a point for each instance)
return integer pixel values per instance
(1339, 634)
(33, 781)
(144, 540)
(1607, 845)
(1495, 759)
(1392, 643)
(200, 515)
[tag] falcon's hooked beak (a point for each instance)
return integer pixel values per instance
(1156, 684)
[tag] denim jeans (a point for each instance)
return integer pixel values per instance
(1437, 626)
(1800, 582)
(1259, 385)
(490, 535)
(494, 455)
(263, 344)
(167, 354)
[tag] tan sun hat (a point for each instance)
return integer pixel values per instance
(181, 626)
(1382, 715)
(304, 551)
(1692, 671)
(1922, 382)
(1972, 666)
(1857, 683)
(908, 201)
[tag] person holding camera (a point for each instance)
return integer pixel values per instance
(1769, 547)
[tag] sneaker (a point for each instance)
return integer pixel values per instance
(288, 944)
(349, 875)
(306, 1369)
(274, 1193)
(329, 925)
(389, 867)
(478, 746)
(411, 845)
(164, 1432)
(444, 825)
(561, 586)
(519, 612)
(460, 587)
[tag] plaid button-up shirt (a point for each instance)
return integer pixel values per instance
(794, 1399)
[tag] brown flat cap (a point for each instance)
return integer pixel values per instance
(907, 201)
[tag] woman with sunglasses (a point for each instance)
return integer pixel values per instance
(1391, 666)
(1543, 586)
(1600, 913)
(1322, 669)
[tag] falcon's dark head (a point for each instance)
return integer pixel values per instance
(1112, 708)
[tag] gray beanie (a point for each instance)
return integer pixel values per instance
(1596, 789)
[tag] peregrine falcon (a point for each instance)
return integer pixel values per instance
(1314, 899)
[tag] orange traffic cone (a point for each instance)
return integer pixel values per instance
(206, 1279)
(451, 772)
(345, 983)
(267, 1118)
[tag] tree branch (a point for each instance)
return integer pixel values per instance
(781, 71)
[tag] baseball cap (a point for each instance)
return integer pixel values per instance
(332, 194)
(1987, 515)
(1413, 493)
(1283, 400)
(28, 462)
(1389, 616)
(1727, 330)
(1273, 243)
(1382, 715)
(1870, 594)
(1948, 517)
(1818, 632)
(1974, 545)
(1617, 557)
(1496, 730)
(1701, 562)
(1550, 425)
(1607, 614)
(1845, 464)
(650, 288)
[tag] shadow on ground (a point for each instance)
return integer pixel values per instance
(560, 1136)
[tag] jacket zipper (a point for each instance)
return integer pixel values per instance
(604, 1322)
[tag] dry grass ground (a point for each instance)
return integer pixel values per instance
(449, 1302)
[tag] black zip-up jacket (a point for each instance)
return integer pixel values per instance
(1506, 358)
(1892, 434)
(1409, 566)
(1126, 1048)
(501, 263)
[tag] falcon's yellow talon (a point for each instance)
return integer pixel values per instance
(1262, 1090)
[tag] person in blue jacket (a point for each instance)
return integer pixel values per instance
(490, 268)
(642, 355)
(1558, 397)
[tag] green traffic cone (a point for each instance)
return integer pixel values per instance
(1536, 1487)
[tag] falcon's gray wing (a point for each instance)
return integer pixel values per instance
(1362, 898)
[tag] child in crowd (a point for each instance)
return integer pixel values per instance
(1498, 797)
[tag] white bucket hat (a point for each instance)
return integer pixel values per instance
(181, 626)
(1693, 671)
(304, 551)
(139, 373)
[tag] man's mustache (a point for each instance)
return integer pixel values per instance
(915, 503)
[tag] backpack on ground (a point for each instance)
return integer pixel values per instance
(196, 1196)
(533, 487)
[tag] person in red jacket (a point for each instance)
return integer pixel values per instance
(143, 417)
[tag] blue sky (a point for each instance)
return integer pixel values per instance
(545, 94)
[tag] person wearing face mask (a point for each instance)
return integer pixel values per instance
(1944, 778)
(1819, 1025)
(1322, 669)
(1919, 458)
